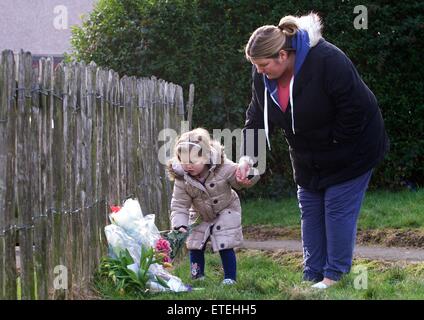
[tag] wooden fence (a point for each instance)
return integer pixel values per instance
(73, 140)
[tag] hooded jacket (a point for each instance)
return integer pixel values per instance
(211, 208)
(333, 125)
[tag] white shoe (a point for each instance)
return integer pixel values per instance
(320, 285)
(228, 282)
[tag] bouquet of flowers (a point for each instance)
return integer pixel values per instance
(176, 240)
(138, 256)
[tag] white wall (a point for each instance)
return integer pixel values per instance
(35, 26)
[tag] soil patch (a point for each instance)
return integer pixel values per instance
(383, 237)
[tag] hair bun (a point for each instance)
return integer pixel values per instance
(288, 25)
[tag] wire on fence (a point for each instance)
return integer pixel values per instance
(60, 96)
(54, 211)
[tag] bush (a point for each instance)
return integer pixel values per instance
(202, 42)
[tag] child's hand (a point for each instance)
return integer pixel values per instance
(243, 169)
(182, 229)
(242, 173)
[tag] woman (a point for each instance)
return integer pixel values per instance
(334, 128)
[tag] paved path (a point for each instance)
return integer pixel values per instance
(377, 253)
(374, 252)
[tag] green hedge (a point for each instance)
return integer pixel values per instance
(202, 42)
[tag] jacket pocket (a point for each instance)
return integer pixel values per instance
(227, 232)
(333, 157)
(227, 220)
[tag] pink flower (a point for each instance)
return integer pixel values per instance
(163, 245)
(115, 209)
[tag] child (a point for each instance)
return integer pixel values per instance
(203, 198)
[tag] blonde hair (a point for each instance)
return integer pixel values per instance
(267, 41)
(196, 142)
(193, 144)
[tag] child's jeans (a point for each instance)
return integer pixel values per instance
(197, 263)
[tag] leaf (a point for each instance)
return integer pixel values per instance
(162, 282)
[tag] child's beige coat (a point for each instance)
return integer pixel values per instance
(214, 203)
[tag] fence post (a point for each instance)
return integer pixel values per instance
(67, 141)
(79, 179)
(104, 162)
(23, 182)
(58, 160)
(190, 106)
(8, 114)
(73, 159)
(3, 167)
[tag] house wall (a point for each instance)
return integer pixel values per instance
(42, 27)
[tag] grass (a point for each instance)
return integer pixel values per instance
(278, 276)
(380, 209)
(19, 291)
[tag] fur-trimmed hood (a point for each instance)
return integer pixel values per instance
(311, 23)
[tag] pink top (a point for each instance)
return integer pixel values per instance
(283, 95)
